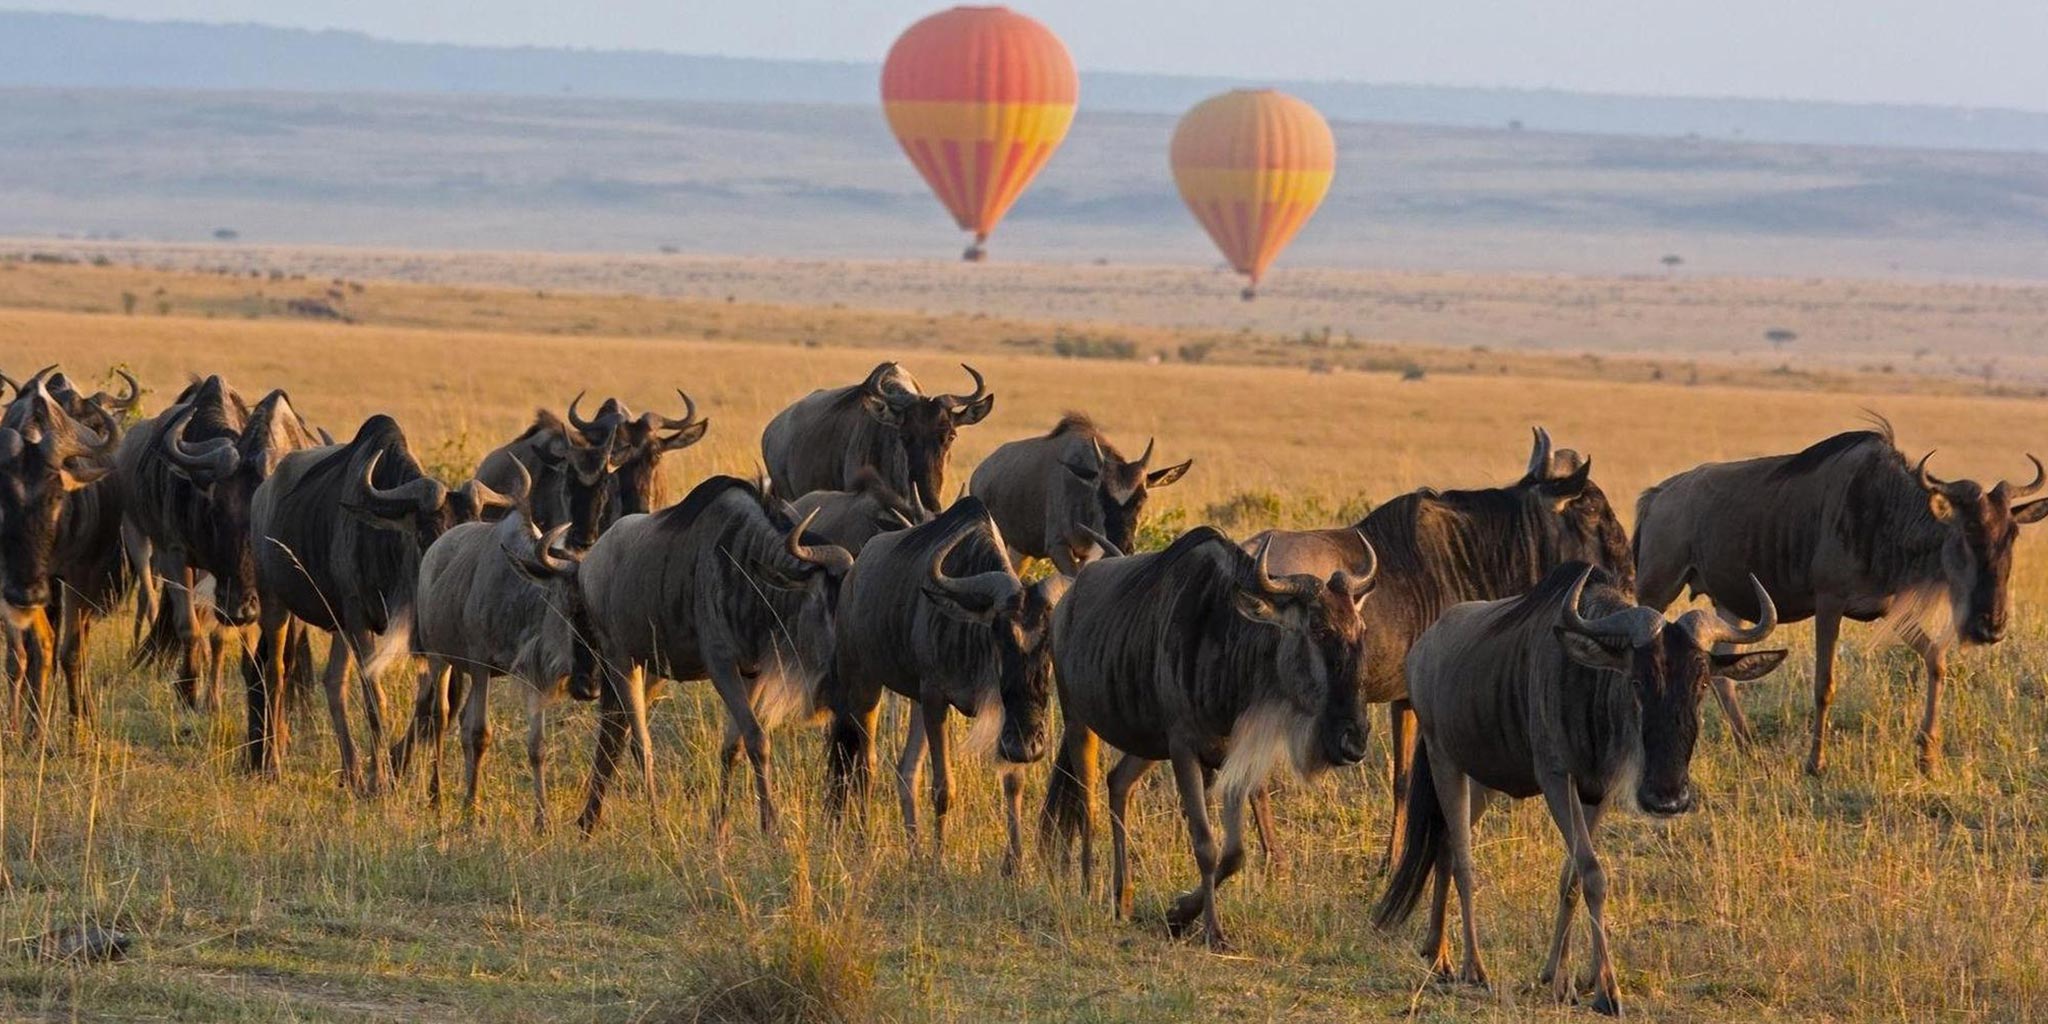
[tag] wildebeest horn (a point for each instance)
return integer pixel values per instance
(125, 402)
(1539, 453)
(1612, 626)
(1767, 618)
(1263, 581)
(830, 557)
(325, 437)
(424, 494)
(1928, 480)
(1360, 584)
(6, 381)
(36, 381)
(108, 430)
(215, 459)
(2028, 491)
(1109, 549)
(481, 496)
(549, 554)
(652, 420)
(582, 425)
(873, 385)
(901, 518)
(1147, 456)
(980, 389)
(981, 592)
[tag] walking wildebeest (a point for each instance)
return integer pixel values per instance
(338, 533)
(1844, 529)
(1199, 655)
(571, 477)
(1043, 491)
(188, 476)
(935, 614)
(60, 539)
(641, 443)
(724, 585)
(851, 518)
(495, 599)
(886, 423)
(1572, 692)
(1437, 548)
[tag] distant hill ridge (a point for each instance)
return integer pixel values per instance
(82, 51)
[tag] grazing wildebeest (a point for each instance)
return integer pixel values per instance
(1047, 493)
(641, 442)
(1199, 655)
(853, 517)
(1572, 692)
(188, 476)
(1437, 548)
(935, 614)
(495, 599)
(60, 539)
(1843, 529)
(338, 533)
(571, 478)
(885, 423)
(724, 585)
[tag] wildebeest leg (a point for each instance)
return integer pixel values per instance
(1436, 941)
(738, 696)
(1562, 796)
(909, 766)
(614, 722)
(192, 656)
(728, 759)
(1556, 969)
(40, 642)
(643, 738)
(1401, 733)
(1129, 769)
(264, 683)
(1262, 821)
(1199, 902)
(334, 683)
(1935, 655)
(1013, 808)
(1454, 795)
(1724, 691)
(77, 686)
(17, 672)
(934, 712)
(1827, 628)
(537, 753)
(442, 674)
(425, 718)
(476, 733)
(364, 643)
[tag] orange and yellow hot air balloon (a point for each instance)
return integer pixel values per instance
(979, 97)
(1252, 165)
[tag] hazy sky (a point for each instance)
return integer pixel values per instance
(1969, 52)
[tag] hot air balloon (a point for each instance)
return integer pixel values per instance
(979, 97)
(1252, 165)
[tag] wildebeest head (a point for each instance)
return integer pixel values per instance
(393, 493)
(1323, 648)
(1977, 554)
(640, 443)
(226, 468)
(45, 455)
(1582, 525)
(926, 425)
(561, 648)
(1669, 666)
(1102, 487)
(1019, 619)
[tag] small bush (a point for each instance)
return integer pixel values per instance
(1413, 371)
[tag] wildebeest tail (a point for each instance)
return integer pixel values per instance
(1421, 844)
(1635, 547)
(1071, 788)
(158, 643)
(847, 764)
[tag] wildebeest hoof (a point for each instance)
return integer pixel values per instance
(1186, 910)
(1607, 1004)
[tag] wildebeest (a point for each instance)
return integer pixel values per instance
(1048, 493)
(935, 614)
(1572, 692)
(1199, 655)
(495, 599)
(1843, 529)
(188, 476)
(571, 478)
(338, 532)
(641, 442)
(60, 538)
(885, 423)
(851, 518)
(1438, 548)
(724, 585)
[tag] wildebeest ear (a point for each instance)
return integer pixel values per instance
(2031, 512)
(882, 411)
(966, 607)
(1563, 490)
(1942, 509)
(685, 437)
(1747, 665)
(76, 474)
(974, 412)
(1169, 475)
(1265, 612)
(1590, 652)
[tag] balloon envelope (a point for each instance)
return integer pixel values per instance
(979, 97)
(1252, 165)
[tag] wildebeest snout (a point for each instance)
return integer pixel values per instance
(1665, 805)
(1345, 742)
(35, 594)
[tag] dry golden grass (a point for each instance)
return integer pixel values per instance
(1871, 894)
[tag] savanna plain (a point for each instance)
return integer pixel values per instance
(1873, 893)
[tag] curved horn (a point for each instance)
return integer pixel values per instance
(36, 382)
(209, 462)
(424, 494)
(10, 382)
(830, 557)
(873, 384)
(1263, 581)
(980, 388)
(1767, 618)
(1539, 453)
(582, 425)
(104, 437)
(1928, 480)
(1147, 456)
(125, 402)
(1361, 584)
(2031, 489)
(1611, 626)
(897, 513)
(482, 496)
(549, 554)
(981, 592)
(1109, 549)
(652, 420)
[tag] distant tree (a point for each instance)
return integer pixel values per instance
(128, 301)
(1515, 125)
(1779, 337)
(1671, 261)
(226, 234)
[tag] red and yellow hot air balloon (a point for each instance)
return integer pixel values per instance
(1252, 165)
(979, 97)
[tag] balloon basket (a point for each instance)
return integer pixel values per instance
(1249, 293)
(975, 253)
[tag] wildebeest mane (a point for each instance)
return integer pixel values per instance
(1547, 598)
(378, 557)
(1439, 548)
(1820, 453)
(969, 558)
(544, 421)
